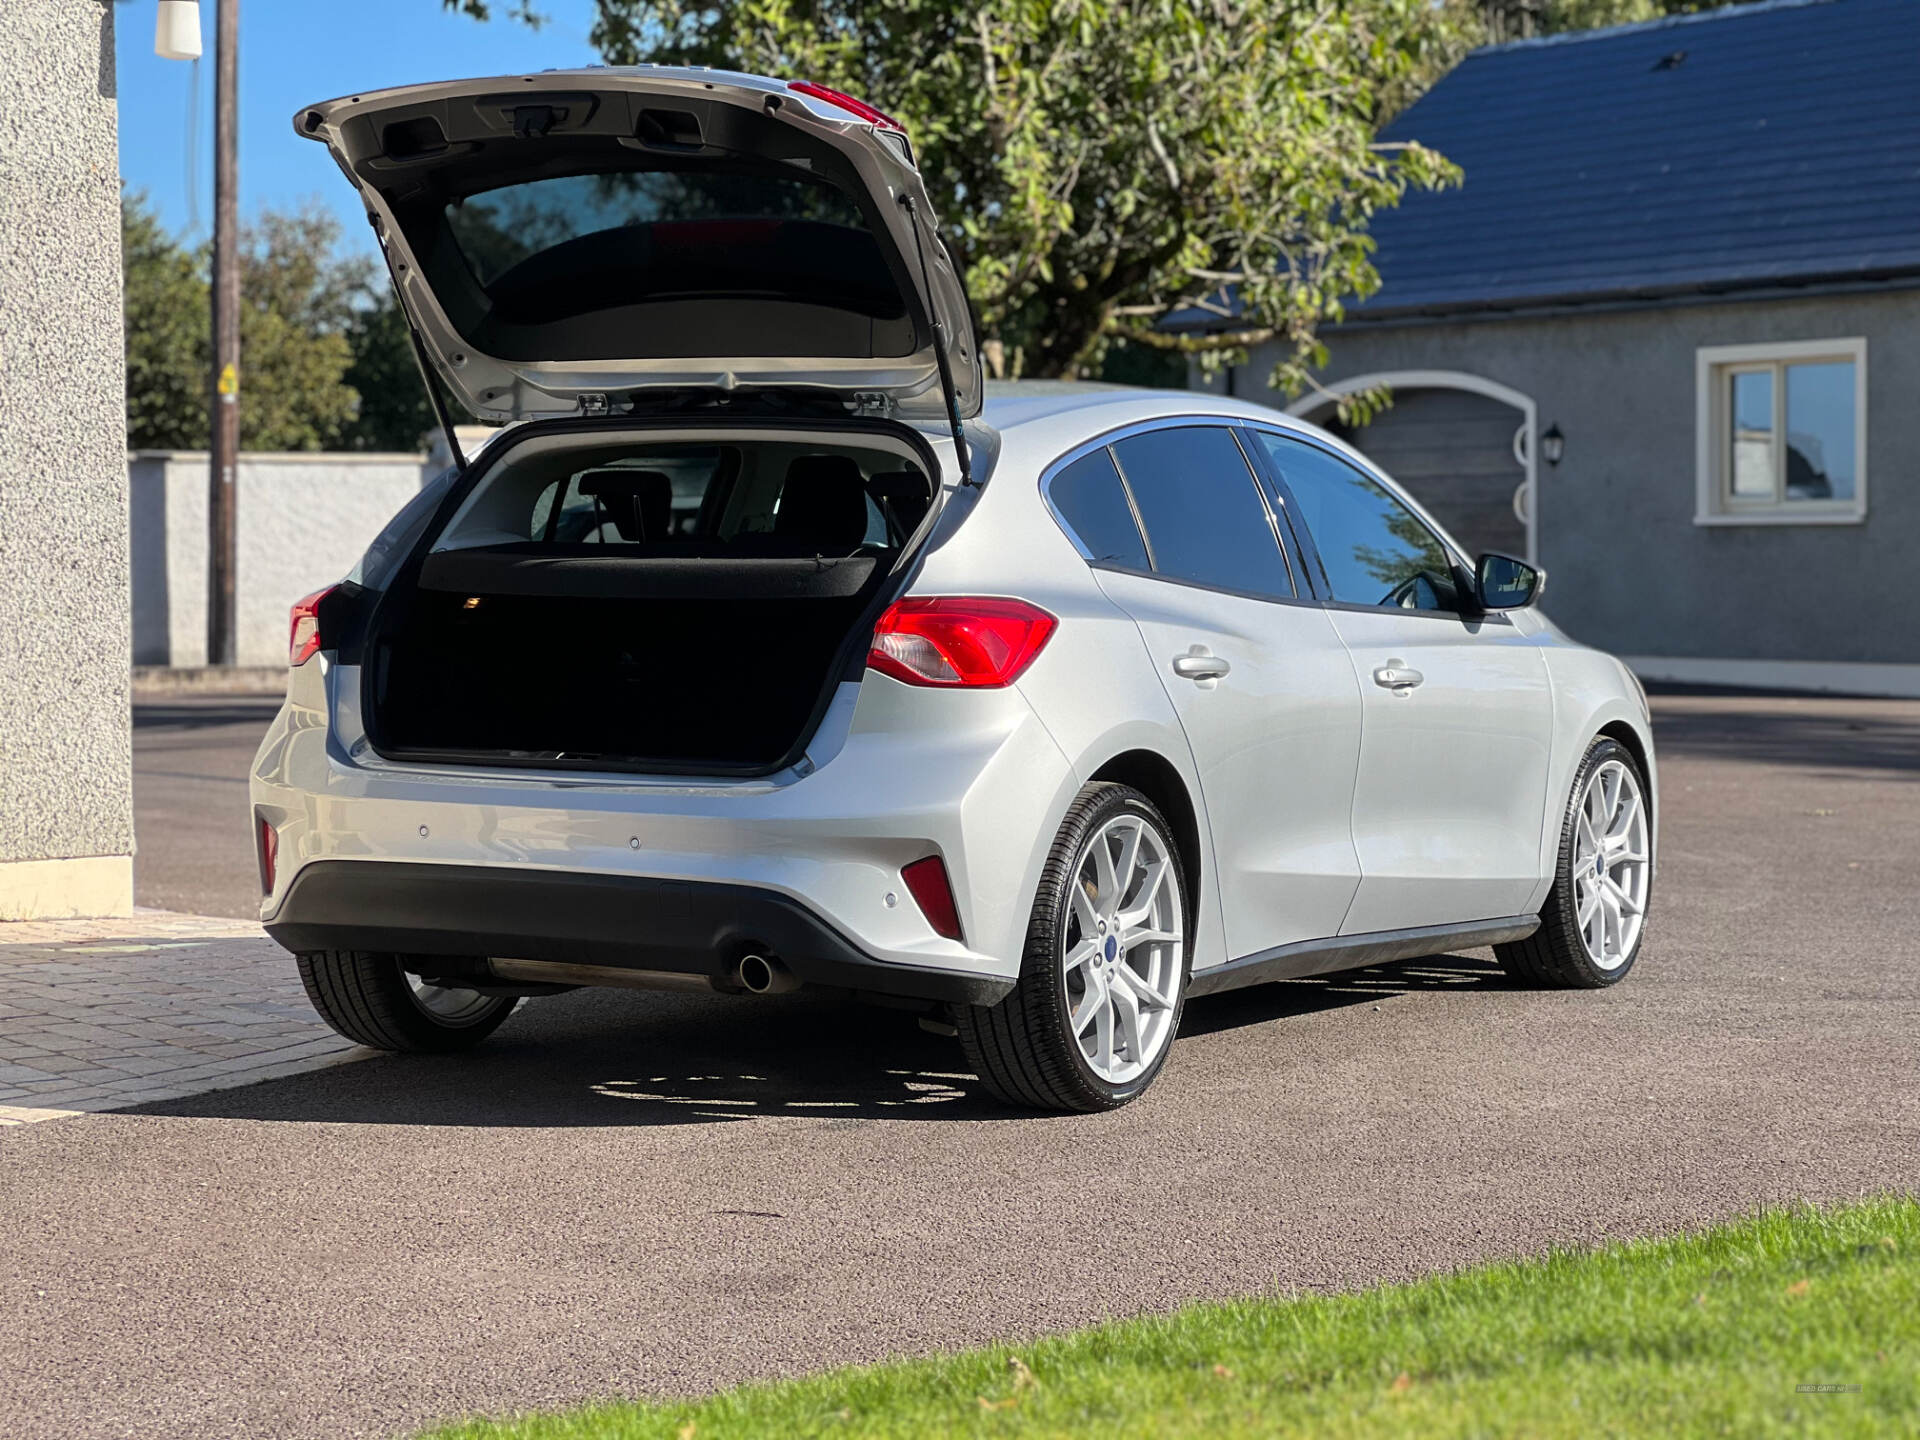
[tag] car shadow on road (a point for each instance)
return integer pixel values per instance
(627, 1058)
(1285, 999)
(632, 1058)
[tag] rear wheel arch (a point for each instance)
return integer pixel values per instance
(1155, 776)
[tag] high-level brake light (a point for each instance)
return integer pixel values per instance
(842, 101)
(958, 641)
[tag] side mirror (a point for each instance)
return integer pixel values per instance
(1501, 582)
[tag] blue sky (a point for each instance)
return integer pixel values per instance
(293, 52)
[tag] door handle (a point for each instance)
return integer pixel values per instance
(1199, 664)
(1398, 676)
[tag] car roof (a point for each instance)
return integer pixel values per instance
(1045, 413)
(1036, 421)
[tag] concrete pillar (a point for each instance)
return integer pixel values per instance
(66, 791)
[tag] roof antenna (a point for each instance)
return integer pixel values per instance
(940, 351)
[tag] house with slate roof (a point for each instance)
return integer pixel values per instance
(1665, 338)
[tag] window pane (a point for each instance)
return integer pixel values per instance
(1089, 498)
(499, 229)
(1751, 443)
(1204, 516)
(392, 545)
(1820, 458)
(1376, 551)
(584, 254)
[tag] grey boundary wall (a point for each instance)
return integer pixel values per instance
(66, 812)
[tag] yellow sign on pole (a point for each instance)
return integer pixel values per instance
(229, 385)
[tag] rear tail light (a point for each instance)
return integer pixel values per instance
(927, 882)
(303, 635)
(958, 641)
(267, 840)
(842, 101)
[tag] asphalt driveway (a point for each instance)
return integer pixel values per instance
(626, 1193)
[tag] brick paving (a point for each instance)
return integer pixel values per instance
(102, 1014)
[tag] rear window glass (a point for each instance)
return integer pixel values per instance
(499, 229)
(658, 498)
(774, 498)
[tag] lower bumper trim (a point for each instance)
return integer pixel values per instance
(622, 922)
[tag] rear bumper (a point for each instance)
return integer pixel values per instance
(900, 773)
(627, 922)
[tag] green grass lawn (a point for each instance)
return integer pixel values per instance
(1706, 1334)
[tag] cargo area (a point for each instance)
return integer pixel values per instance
(644, 605)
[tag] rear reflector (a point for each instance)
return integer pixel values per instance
(303, 635)
(927, 881)
(267, 840)
(958, 641)
(840, 100)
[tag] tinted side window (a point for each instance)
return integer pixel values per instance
(1375, 550)
(1202, 509)
(1089, 499)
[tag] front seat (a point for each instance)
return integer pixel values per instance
(823, 504)
(639, 502)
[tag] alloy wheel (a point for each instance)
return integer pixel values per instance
(1611, 864)
(1124, 944)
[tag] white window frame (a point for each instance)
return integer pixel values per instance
(1714, 366)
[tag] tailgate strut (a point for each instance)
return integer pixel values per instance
(939, 351)
(434, 397)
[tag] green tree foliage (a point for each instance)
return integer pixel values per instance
(1103, 164)
(325, 362)
(297, 304)
(394, 410)
(167, 323)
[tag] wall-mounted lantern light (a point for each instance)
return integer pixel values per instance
(176, 34)
(1553, 445)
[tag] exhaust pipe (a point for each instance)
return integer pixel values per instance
(763, 975)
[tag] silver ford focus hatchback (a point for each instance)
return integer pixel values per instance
(764, 648)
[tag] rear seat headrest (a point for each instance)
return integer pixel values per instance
(640, 502)
(824, 503)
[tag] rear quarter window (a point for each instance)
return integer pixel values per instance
(1091, 503)
(393, 544)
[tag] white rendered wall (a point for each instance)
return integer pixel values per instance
(304, 519)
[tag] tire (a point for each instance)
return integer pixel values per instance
(372, 999)
(1561, 954)
(1025, 1049)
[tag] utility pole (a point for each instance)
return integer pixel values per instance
(224, 457)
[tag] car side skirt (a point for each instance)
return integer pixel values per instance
(1353, 952)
